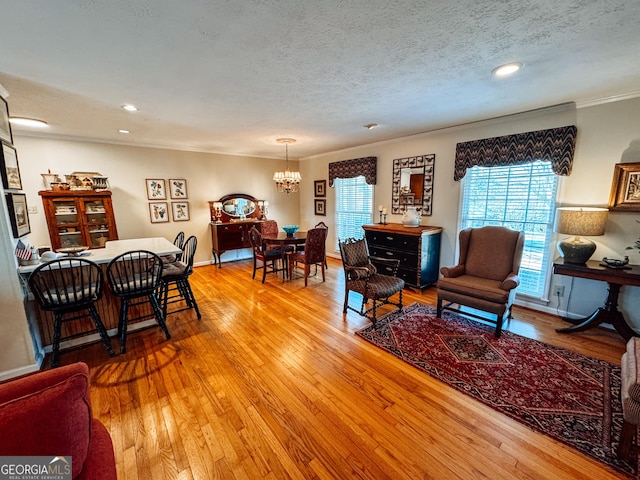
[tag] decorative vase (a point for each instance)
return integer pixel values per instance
(411, 217)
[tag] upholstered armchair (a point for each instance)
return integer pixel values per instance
(361, 276)
(486, 276)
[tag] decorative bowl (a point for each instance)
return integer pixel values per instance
(72, 251)
(290, 229)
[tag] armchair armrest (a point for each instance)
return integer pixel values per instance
(452, 272)
(390, 262)
(359, 273)
(511, 282)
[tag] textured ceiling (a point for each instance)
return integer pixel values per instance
(232, 76)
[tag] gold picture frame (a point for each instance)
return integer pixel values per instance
(625, 188)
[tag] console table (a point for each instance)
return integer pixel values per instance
(616, 278)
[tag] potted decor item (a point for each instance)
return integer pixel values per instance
(411, 217)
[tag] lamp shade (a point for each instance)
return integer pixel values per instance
(587, 221)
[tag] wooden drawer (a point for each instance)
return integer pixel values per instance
(394, 240)
(407, 259)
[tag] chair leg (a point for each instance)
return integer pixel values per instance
(499, 320)
(264, 269)
(626, 440)
(122, 326)
(346, 300)
(57, 329)
(307, 270)
(106, 341)
(192, 299)
(254, 267)
(158, 313)
(439, 307)
(165, 298)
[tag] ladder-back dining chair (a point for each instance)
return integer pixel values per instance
(175, 285)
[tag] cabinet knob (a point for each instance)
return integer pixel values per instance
(389, 254)
(390, 238)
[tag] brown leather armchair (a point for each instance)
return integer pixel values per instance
(486, 276)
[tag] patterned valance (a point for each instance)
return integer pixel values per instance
(367, 166)
(555, 145)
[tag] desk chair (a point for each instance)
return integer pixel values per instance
(65, 286)
(175, 285)
(136, 275)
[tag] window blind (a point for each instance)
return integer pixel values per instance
(354, 204)
(519, 197)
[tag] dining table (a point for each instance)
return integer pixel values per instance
(282, 240)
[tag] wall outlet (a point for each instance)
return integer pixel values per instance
(558, 291)
(32, 210)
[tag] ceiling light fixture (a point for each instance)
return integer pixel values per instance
(28, 122)
(369, 126)
(122, 130)
(287, 181)
(507, 69)
(130, 108)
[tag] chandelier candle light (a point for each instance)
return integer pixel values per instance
(577, 221)
(287, 181)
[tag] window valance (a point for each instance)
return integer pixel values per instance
(555, 145)
(367, 166)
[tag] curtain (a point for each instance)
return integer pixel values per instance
(555, 145)
(366, 166)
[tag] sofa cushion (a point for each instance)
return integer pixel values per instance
(47, 417)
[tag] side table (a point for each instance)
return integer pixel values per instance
(616, 278)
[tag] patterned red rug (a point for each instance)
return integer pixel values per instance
(568, 396)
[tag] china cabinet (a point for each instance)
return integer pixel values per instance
(79, 218)
(417, 248)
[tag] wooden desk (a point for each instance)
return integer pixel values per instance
(282, 240)
(616, 278)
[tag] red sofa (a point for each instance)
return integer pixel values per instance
(49, 414)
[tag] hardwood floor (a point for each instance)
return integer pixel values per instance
(272, 383)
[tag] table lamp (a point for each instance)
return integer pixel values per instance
(577, 221)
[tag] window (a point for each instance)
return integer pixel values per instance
(522, 198)
(354, 204)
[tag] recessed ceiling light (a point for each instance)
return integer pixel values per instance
(369, 126)
(122, 130)
(507, 69)
(28, 122)
(130, 108)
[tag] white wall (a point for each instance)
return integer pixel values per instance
(607, 134)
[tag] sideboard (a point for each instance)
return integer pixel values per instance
(417, 248)
(231, 236)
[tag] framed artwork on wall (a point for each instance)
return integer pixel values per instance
(158, 212)
(180, 211)
(17, 205)
(625, 188)
(320, 188)
(9, 168)
(5, 126)
(178, 188)
(156, 189)
(320, 206)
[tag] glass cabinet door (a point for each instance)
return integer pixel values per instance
(67, 223)
(97, 222)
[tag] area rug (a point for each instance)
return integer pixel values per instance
(571, 397)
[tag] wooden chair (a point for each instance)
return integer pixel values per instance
(362, 277)
(486, 275)
(324, 225)
(261, 254)
(135, 278)
(66, 286)
(314, 253)
(175, 285)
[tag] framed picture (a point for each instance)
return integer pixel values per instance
(17, 205)
(180, 211)
(178, 188)
(156, 189)
(320, 188)
(158, 212)
(625, 188)
(10, 170)
(320, 206)
(5, 126)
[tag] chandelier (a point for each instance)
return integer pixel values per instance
(287, 181)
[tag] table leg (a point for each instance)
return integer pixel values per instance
(609, 313)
